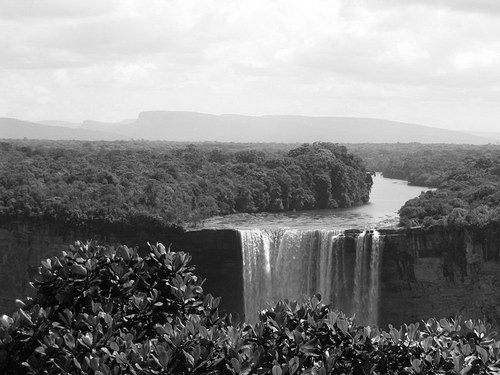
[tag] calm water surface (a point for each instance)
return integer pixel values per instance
(387, 196)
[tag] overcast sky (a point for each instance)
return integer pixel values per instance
(431, 62)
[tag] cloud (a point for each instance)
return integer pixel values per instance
(483, 6)
(127, 74)
(476, 59)
(369, 57)
(54, 9)
(427, 48)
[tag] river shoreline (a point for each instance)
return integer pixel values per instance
(387, 196)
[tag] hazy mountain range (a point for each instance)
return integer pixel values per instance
(199, 127)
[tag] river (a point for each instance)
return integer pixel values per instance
(295, 254)
(386, 197)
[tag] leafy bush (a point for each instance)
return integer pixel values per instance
(311, 339)
(103, 310)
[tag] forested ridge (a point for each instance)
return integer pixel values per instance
(421, 164)
(466, 178)
(155, 184)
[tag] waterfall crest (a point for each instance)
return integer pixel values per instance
(290, 263)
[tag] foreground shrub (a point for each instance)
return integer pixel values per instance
(103, 310)
(311, 339)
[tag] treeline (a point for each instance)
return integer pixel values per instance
(467, 179)
(145, 184)
(421, 164)
(469, 196)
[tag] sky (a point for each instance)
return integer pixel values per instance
(429, 62)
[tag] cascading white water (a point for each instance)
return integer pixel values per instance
(256, 270)
(360, 278)
(292, 264)
(374, 276)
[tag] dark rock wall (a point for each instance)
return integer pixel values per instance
(438, 273)
(218, 258)
(22, 246)
(216, 255)
(435, 273)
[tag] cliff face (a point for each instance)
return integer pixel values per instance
(422, 274)
(22, 246)
(216, 255)
(439, 273)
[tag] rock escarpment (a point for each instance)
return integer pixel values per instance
(421, 273)
(439, 273)
(216, 255)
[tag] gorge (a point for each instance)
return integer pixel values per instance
(384, 276)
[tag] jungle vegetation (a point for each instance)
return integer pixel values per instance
(158, 184)
(466, 179)
(141, 184)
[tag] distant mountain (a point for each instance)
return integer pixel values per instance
(192, 126)
(17, 129)
(65, 124)
(200, 127)
(105, 126)
(494, 136)
(87, 124)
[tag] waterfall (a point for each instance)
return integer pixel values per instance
(256, 270)
(374, 277)
(360, 278)
(290, 263)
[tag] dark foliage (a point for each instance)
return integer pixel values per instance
(468, 196)
(143, 184)
(467, 179)
(423, 164)
(101, 310)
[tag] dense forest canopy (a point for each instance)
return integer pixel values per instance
(469, 196)
(160, 184)
(467, 179)
(422, 164)
(157, 184)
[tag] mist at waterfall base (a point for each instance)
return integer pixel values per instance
(293, 255)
